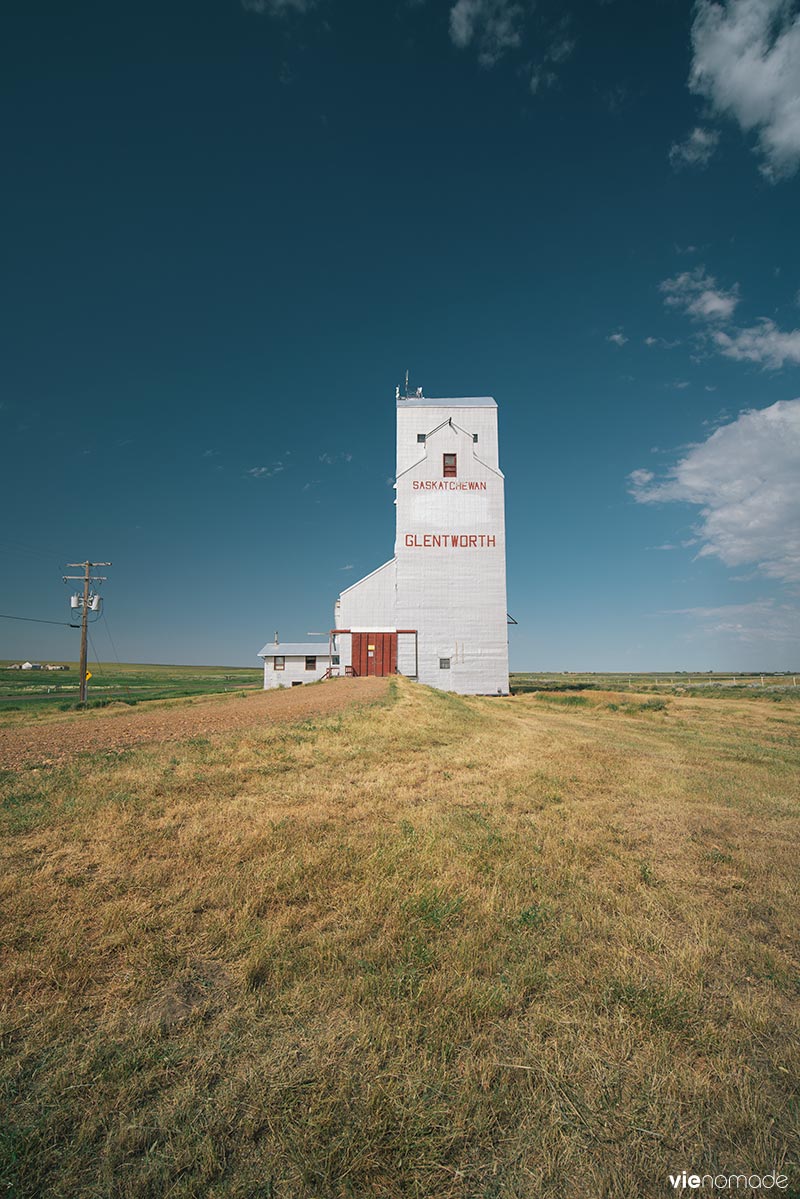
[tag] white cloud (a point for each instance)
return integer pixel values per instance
(764, 343)
(696, 151)
(493, 26)
(746, 63)
(265, 472)
(761, 620)
(332, 459)
(277, 8)
(560, 49)
(661, 342)
(619, 339)
(744, 480)
(699, 295)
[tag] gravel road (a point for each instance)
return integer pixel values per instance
(52, 742)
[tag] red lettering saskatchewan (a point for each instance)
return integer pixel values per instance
(448, 485)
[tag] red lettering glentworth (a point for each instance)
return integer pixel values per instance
(449, 540)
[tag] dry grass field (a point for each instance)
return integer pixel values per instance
(430, 947)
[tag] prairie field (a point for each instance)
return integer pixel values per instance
(403, 944)
(32, 692)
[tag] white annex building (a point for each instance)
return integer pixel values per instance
(437, 610)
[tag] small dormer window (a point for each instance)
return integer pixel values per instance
(449, 468)
(421, 438)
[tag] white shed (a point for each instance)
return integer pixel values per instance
(289, 663)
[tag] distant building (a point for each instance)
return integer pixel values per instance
(287, 664)
(31, 666)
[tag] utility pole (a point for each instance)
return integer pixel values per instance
(87, 578)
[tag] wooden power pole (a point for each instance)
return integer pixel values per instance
(87, 579)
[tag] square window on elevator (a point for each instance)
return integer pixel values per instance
(449, 470)
(422, 438)
(474, 436)
(444, 663)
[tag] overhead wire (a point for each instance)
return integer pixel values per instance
(35, 620)
(114, 649)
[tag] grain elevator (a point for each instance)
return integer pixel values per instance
(436, 611)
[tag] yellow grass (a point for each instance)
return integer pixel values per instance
(435, 948)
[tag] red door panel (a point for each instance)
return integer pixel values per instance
(379, 660)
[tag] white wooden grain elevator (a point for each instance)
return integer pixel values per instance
(436, 611)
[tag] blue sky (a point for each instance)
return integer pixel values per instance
(229, 227)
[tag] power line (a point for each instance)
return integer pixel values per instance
(114, 649)
(17, 546)
(110, 638)
(34, 620)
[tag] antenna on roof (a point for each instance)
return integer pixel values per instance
(407, 395)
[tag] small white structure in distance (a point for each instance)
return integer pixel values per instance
(289, 663)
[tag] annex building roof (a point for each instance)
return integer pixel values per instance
(295, 649)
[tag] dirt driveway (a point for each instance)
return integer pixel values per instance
(52, 742)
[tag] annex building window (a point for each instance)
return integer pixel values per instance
(449, 470)
(311, 662)
(422, 438)
(278, 663)
(444, 663)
